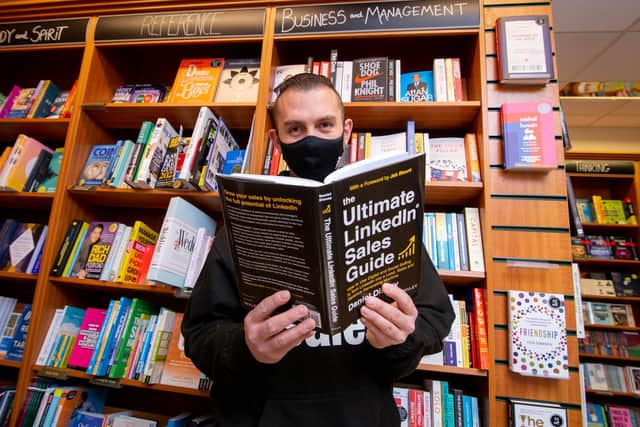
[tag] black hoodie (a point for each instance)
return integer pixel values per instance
(339, 381)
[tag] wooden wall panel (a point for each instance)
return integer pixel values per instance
(496, 152)
(493, 13)
(501, 415)
(499, 94)
(531, 244)
(530, 213)
(494, 124)
(513, 385)
(551, 183)
(543, 277)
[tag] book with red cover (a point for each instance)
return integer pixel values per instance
(528, 136)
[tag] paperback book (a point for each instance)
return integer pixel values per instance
(370, 212)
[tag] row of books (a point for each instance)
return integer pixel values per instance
(21, 246)
(603, 247)
(604, 88)
(599, 415)
(610, 314)
(610, 343)
(7, 394)
(115, 252)
(614, 283)
(454, 240)
(466, 345)
(606, 211)
(161, 157)
(46, 100)
(131, 419)
(14, 319)
(200, 81)
(131, 339)
(603, 377)
(28, 165)
(381, 79)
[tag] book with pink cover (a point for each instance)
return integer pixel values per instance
(19, 164)
(87, 337)
(8, 102)
(528, 136)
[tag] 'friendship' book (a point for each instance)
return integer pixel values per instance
(330, 244)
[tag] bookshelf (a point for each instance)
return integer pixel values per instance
(513, 207)
(611, 186)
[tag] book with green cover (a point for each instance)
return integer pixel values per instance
(613, 212)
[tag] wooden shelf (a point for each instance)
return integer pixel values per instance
(152, 199)
(73, 373)
(21, 200)
(452, 193)
(609, 228)
(100, 286)
(613, 263)
(606, 111)
(610, 358)
(611, 298)
(461, 278)
(129, 116)
(19, 277)
(612, 327)
(612, 393)
(44, 130)
(452, 370)
(11, 363)
(601, 175)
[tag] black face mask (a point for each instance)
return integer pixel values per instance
(313, 157)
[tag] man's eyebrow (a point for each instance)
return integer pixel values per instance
(327, 117)
(292, 122)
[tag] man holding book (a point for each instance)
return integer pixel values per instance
(269, 365)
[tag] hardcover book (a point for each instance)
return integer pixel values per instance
(524, 413)
(18, 166)
(369, 212)
(524, 49)
(99, 250)
(370, 80)
(223, 143)
(196, 81)
(417, 86)
(87, 338)
(9, 100)
(98, 163)
(22, 104)
(142, 237)
(448, 159)
(176, 241)
(528, 136)
(283, 72)
(239, 81)
(538, 335)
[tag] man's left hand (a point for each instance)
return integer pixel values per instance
(389, 323)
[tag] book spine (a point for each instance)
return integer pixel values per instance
(448, 64)
(411, 136)
(481, 327)
(50, 338)
(473, 161)
(457, 79)
(330, 313)
(347, 80)
(65, 248)
(391, 74)
(462, 242)
(440, 79)
(598, 208)
(474, 239)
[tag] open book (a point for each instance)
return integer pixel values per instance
(329, 243)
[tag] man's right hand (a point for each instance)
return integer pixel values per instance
(268, 337)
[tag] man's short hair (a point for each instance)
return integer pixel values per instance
(303, 82)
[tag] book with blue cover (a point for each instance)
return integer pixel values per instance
(176, 242)
(16, 350)
(417, 86)
(98, 164)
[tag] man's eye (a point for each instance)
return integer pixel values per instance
(326, 125)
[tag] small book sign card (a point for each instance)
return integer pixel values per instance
(538, 335)
(524, 50)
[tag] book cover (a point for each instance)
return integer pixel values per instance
(596, 415)
(159, 344)
(58, 103)
(524, 413)
(9, 100)
(613, 212)
(448, 159)
(370, 79)
(22, 247)
(233, 162)
(528, 136)
(284, 72)
(473, 161)
(200, 132)
(147, 93)
(42, 104)
(196, 81)
(67, 333)
(590, 286)
(179, 370)
(538, 335)
(474, 239)
(153, 155)
(112, 311)
(15, 350)
(417, 86)
(21, 104)
(87, 338)
(370, 212)
(524, 52)
(98, 163)
(167, 172)
(51, 337)
(18, 166)
(584, 211)
(239, 81)
(138, 151)
(142, 236)
(39, 171)
(98, 250)
(626, 284)
(223, 143)
(620, 416)
(176, 241)
(65, 247)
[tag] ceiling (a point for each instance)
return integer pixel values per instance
(597, 40)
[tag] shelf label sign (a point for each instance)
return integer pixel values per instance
(600, 167)
(203, 24)
(41, 33)
(377, 16)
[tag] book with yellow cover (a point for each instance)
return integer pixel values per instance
(196, 81)
(142, 237)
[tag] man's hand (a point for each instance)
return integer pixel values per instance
(389, 323)
(267, 336)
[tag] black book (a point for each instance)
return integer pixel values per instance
(66, 247)
(331, 243)
(39, 172)
(606, 167)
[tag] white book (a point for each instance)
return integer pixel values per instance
(536, 413)
(204, 116)
(453, 342)
(176, 242)
(120, 250)
(474, 239)
(339, 72)
(440, 79)
(42, 409)
(223, 143)
(437, 405)
(426, 421)
(36, 251)
(129, 421)
(433, 359)
(398, 72)
(283, 72)
(347, 82)
(154, 152)
(8, 304)
(50, 339)
(113, 253)
(204, 241)
(401, 396)
(161, 335)
(381, 144)
(451, 216)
